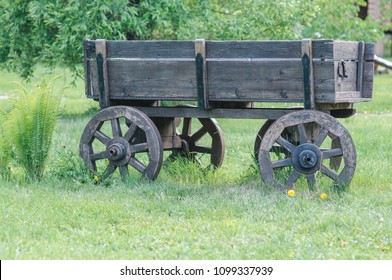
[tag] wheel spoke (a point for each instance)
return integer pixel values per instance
(302, 133)
(202, 150)
(124, 171)
(329, 172)
(186, 128)
(138, 148)
(135, 163)
(293, 178)
(109, 170)
(130, 132)
(116, 130)
(311, 178)
(321, 137)
(102, 137)
(286, 144)
(199, 134)
(332, 153)
(98, 156)
(281, 163)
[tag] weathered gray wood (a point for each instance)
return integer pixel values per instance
(194, 139)
(87, 74)
(255, 80)
(167, 131)
(335, 50)
(151, 49)
(118, 150)
(238, 71)
(253, 49)
(368, 73)
(269, 167)
(100, 50)
(186, 112)
(167, 80)
(383, 62)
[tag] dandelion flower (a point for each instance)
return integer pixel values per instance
(96, 179)
(291, 193)
(323, 196)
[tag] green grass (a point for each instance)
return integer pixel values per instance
(186, 214)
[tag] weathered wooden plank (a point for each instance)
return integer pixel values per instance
(329, 49)
(369, 52)
(87, 81)
(186, 112)
(89, 49)
(368, 72)
(151, 49)
(167, 80)
(253, 49)
(261, 80)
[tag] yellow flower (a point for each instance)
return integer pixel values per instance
(96, 178)
(291, 193)
(343, 243)
(323, 196)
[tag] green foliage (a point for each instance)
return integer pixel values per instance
(338, 20)
(267, 19)
(5, 148)
(30, 126)
(51, 32)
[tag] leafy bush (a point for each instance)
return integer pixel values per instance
(30, 124)
(5, 148)
(51, 32)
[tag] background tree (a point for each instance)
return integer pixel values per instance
(50, 32)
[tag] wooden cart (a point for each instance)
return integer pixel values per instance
(140, 86)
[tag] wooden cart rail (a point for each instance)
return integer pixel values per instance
(306, 71)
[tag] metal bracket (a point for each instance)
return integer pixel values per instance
(308, 78)
(201, 74)
(307, 93)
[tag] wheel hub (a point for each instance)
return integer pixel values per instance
(118, 151)
(306, 158)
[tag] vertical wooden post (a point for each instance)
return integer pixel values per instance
(103, 81)
(308, 78)
(201, 74)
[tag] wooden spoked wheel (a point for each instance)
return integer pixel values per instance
(307, 156)
(202, 141)
(291, 135)
(122, 137)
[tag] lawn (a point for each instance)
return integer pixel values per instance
(188, 214)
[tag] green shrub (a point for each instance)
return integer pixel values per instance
(5, 148)
(30, 124)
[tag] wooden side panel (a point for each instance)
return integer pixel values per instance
(329, 49)
(345, 50)
(255, 80)
(253, 49)
(329, 86)
(367, 89)
(149, 80)
(150, 49)
(368, 71)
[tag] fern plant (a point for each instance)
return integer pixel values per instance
(30, 126)
(5, 148)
